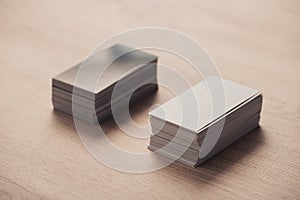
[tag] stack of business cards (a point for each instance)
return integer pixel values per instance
(87, 88)
(193, 127)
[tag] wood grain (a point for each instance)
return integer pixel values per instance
(255, 43)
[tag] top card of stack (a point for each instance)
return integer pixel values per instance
(88, 86)
(203, 120)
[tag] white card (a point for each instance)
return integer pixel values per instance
(203, 103)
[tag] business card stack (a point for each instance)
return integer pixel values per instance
(188, 128)
(80, 92)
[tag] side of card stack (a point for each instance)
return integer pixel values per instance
(80, 90)
(175, 135)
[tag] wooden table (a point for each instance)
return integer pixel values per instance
(255, 43)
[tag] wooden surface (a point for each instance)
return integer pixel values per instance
(255, 43)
